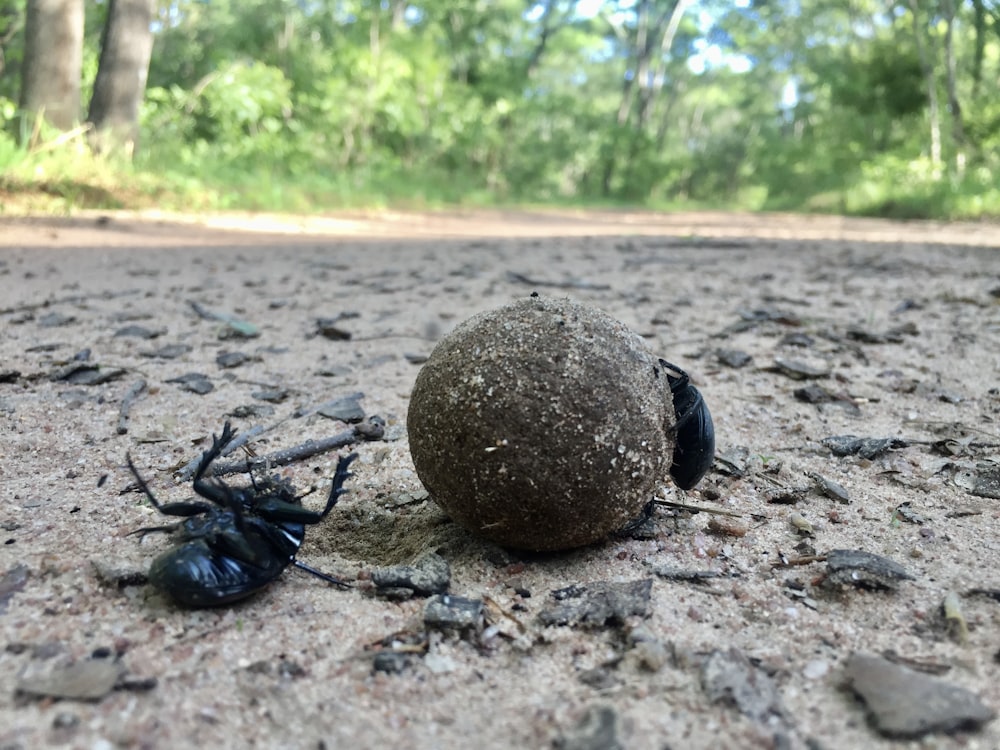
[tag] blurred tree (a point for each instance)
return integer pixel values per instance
(126, 46)
(53, 53)
(12, 15)
(760, 103)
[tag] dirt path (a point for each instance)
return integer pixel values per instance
(896, 327)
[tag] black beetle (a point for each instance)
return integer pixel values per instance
(694, 433)
(240, 541)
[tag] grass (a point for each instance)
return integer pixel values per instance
(59, 175)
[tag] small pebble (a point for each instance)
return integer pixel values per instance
(816, 669)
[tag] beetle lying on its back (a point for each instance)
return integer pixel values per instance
(240, 541)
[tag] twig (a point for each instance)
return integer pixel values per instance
(72, 299)
(522, 279)
(804, 560)
(238, 442)
(308, 449)
(203, 312)
(966, 445)
(697, 508)
(135, 390)
(957, 426)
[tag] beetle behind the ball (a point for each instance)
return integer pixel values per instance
(240, 541)
(694, 449)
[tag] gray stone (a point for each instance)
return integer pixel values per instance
(851, 567)
(729, 677)
(908, 704)
(429, 574)
(596, 730)
(444, 612)
(90, 679)
(599, 604)
(346, 409)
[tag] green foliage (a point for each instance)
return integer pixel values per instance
(271, 104)
(913, 189)
(12, 13)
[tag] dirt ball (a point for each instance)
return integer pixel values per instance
(542, 425)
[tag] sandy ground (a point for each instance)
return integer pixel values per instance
(899, 322)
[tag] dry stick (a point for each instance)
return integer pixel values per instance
(697, 508)
(238, 442)
(522, 279)
(72, 299)
(804, 560)
(135, 390)
(299, 452)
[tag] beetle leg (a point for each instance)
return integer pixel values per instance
(153, 529)
(320, 574)
(638, 521)
(275, 509)
(142, 483)
(218, 492)
(169, 509)
(218, 445)
(340, 476)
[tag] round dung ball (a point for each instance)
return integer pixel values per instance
(542, 425)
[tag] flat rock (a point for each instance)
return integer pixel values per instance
(429, 574)
(908, 704)
(729, 677)
(457, 613)
(599, 604)
(170, 351)
(596, 730)
(82, 373)
(869, 448)
(864, 570)
(90, 679)
(55, 320)
(346, 409)
(228, 360)
(195, 382)
(987, 484)
(793, 368)
(139, 332)
(12, 581)
(735, 358)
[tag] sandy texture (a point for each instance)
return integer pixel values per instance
(899, 323)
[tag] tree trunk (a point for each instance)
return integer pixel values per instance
(666, 42)
(121, 75)
(954, 106)
(980, 48)
(547, 28)
(643, 53)
(53, 57)
(928, 70)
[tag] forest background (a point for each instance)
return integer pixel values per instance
(874, 107)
